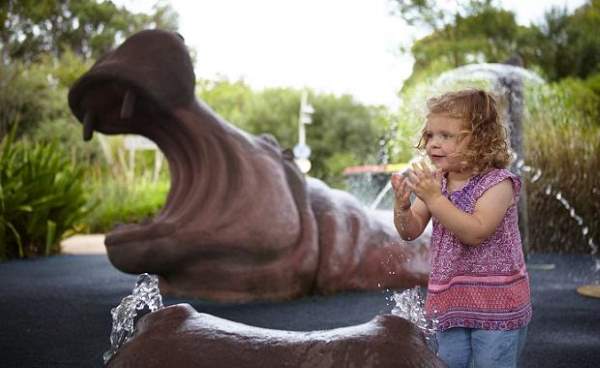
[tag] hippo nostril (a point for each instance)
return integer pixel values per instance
(88, 126)
(128, 103)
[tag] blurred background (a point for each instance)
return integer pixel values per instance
(353, 76)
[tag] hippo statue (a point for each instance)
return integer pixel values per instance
(241, 222)
(178, 336)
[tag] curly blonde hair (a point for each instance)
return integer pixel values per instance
(488, 147)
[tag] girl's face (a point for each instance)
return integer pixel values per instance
(445, 140)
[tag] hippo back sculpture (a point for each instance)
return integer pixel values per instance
(178, 336)
(241, 222)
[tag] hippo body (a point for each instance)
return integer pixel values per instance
(241, 222)
(178, 336)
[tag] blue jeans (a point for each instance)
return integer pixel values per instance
(470, 347)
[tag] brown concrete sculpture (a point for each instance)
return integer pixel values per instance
(178, 336)
(240, 222)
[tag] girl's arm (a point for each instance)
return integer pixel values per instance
(470, 229)
(410, 220)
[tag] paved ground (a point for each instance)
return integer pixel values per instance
(56, 311)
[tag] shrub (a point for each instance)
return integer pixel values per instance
(563, 141)
(120, 202)
(41, 197)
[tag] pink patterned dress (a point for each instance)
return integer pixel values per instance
(484, 286)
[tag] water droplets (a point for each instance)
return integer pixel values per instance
(487, 72)
(593, 246)
(410, 305)
(381, 195)
(585, 230)
(533, 174)
(144, 294)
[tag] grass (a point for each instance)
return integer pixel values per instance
(119, 201)
(564, 203)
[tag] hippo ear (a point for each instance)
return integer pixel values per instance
(270, 139)
(287, 154)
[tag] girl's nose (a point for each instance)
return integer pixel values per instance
(434, 142)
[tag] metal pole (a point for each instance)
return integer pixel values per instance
(301, 127)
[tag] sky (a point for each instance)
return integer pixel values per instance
(330, 46)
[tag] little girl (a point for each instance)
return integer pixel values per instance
(478, 288)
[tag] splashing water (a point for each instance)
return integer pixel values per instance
(486, 72)
(380, 195)
(144, 294)
(419, 159)
(534, 174)
(585, 230)
(410, 305)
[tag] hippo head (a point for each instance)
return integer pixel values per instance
(150, 74)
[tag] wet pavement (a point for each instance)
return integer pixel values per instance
(56, 311)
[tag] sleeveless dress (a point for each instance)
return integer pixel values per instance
(484, 286)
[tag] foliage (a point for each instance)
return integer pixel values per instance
(478, 31)
(30, 29)
(564, 143)
(568, 44)
(229, 99)
(408, 123)
(575, 97)
(430, 14)
(41, 198)
(25, 96)
(342, 133)
(121, 201)
(274, 111)
(35, 97)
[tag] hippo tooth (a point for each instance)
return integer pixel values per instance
(127, 107)
(88, 126)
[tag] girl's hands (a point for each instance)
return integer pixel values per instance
(425, 182)
(401, 191)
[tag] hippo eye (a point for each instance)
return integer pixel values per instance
(180, 36)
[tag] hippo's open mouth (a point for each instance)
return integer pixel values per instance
(116, 107)
(135, 90)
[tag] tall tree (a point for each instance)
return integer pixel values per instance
(480, 31)
(568, 44)
(30, 28)
(343, 132)
(473, 31)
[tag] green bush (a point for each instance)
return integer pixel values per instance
(563, 141)
(123, 202)
(41, 197)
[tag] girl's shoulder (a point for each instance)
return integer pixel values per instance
(493, 177)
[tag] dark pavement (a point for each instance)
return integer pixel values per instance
(56, 311)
